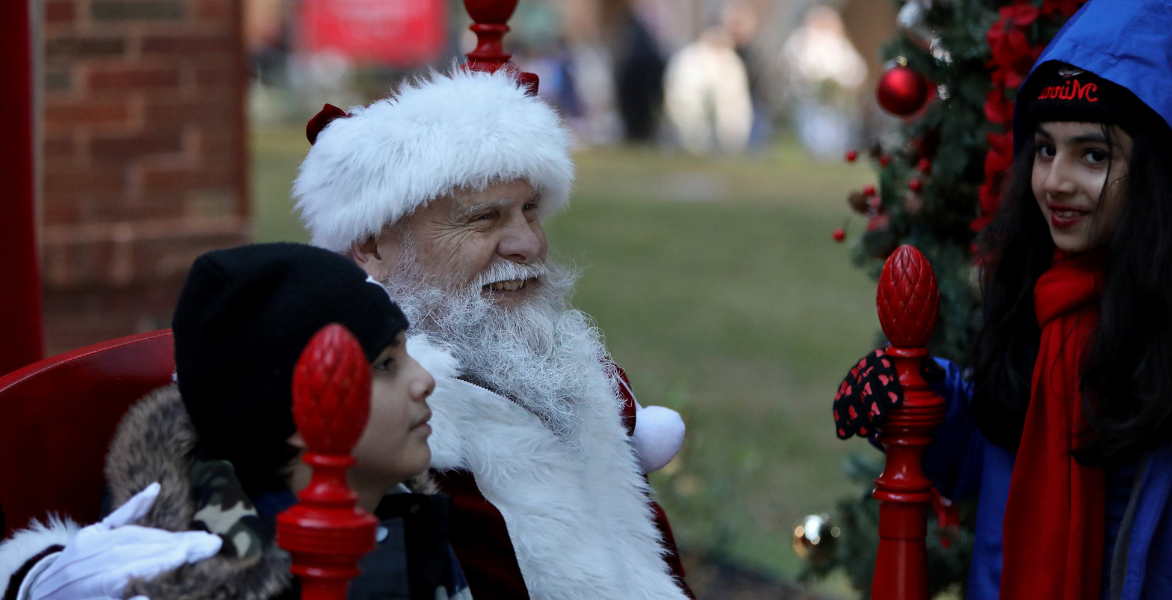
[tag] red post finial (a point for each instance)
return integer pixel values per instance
(326, 533)
(907, 300)
(489, 24)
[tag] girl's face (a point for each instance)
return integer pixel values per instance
(1079, 181)
(393, 447)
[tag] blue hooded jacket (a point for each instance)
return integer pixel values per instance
(1128, 42)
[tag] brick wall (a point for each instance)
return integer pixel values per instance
(144, 157)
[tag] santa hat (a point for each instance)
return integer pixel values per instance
(465, 129)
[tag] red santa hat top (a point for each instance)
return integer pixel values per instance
(463, 129)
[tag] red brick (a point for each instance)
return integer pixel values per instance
(188, 45)
(123, 147)
(206, 111)
(57, 145)
(60, 116)
(215, 10)
(134, 79)
(57, 213)
(225, 139)
(70, 183)
(145, 209)
(213, 77)
(71, 47)
(118, 208)
(80, 317)
(59, 11)
(178, 181)
(136, 10)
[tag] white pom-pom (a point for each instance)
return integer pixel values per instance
(659, 433)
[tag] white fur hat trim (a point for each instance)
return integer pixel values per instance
(459, 130)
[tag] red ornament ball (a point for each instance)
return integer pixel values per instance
(924, 165)
(851, 155)
(902, 91)
(883, 160)
(915, 185)
(868, 190)
(839, 234)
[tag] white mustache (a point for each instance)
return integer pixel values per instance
(509, 271)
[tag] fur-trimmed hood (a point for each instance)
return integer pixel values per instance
(154, 442)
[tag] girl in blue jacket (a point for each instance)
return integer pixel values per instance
(1064, 425)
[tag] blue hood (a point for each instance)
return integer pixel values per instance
(1127, 42)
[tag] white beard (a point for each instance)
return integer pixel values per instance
(534, 416)
(542, 354)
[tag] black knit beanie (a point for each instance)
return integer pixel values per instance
(242, 320)
(1062, 92)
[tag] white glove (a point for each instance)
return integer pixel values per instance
(659, 434)
(98, 563)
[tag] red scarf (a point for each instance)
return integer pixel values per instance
(1054, 519)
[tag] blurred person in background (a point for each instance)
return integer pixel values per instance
(824, 74)
(707, 93)
(639, 77)
(741, 19)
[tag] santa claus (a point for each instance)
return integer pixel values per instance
(440, 193)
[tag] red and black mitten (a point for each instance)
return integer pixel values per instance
(865, 395)
(869, 391)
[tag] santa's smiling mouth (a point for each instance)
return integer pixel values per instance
(511, 285)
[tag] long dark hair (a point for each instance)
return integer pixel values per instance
(1126, 379)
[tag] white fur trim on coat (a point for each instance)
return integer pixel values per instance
(449, 131)
(27, 543)
(579, 518)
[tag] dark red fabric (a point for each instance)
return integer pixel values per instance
(1054, 519)
(324, 117)
(669, 540)
(481, 541)
(628, 410)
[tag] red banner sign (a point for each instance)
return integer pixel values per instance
(396, 33)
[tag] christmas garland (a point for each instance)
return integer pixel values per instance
(1012, 58)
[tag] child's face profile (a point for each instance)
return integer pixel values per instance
(1080, 181)
(393, 447)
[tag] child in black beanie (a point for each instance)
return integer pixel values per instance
(222, 445)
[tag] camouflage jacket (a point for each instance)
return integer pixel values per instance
(155, 442)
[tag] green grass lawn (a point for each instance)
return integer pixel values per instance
(724, 297)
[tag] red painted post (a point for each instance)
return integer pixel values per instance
(907, 300)
(326, 533)
(489, 24)
(20, 303)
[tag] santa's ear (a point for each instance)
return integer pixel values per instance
(377, 254)
(365, 249)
